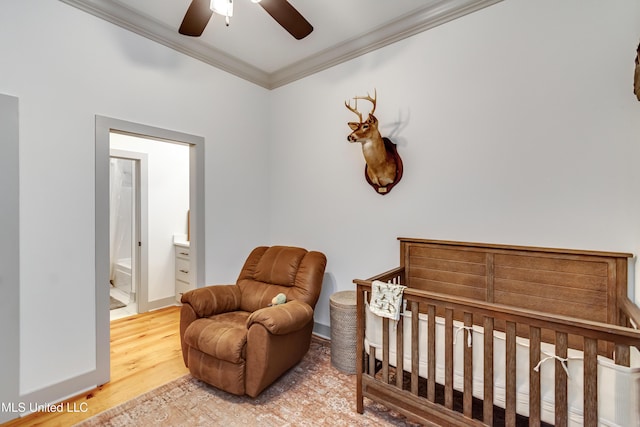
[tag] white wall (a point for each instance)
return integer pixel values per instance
(66, 66)
(516, 124)
(168, 198)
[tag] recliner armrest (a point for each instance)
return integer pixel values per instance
(212, 300)
(282, 319)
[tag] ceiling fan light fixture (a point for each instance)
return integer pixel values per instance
(200, 12)
(222, 7)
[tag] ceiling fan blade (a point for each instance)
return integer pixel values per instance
(196, 18)
(287, 16)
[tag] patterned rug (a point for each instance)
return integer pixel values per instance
(313, 393)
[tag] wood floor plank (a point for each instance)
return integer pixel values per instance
(145, 354)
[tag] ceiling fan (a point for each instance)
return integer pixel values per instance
(200, 11)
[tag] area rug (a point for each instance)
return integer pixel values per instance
(114, 303)
(313, 393)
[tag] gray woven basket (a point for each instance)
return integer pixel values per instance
(342, 306)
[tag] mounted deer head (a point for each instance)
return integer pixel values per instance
(383, 164)
(363, 130)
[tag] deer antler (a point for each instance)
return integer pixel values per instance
(368, 98)
(354, 110)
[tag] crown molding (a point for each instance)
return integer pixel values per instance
(401, 28)
(405, 26)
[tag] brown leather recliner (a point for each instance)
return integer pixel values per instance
(233, 340)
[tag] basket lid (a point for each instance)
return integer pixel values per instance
(344, 298)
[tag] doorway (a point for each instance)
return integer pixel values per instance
(155, 230)
(104, 128)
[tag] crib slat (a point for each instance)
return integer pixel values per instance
(372, 360)
(385, 350)
(487, 410)
(448, 358)
(590, 382)
(622, 352)
(622, 355)
(431, 353)
(510, 410)
(561, 381)
(467, 397)
(400, 353)
(415, 347)
(534, 376)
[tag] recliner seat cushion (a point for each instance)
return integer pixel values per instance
(223, 336)
(256, 295)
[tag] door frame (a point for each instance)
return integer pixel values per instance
(9, 253)
(103, 127)
(140, 250)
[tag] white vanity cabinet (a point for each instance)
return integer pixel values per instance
(184, 277)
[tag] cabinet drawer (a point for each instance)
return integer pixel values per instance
(182, 252)
(183, 267)
(181, 288)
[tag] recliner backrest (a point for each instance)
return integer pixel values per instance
(269, 271)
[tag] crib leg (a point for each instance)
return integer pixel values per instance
(361, 363)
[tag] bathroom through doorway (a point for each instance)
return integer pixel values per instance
(128, 210)
(149, 204)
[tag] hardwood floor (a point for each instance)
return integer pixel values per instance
(145, 353)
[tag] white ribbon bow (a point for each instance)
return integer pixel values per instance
(563, 362)
(463, 328)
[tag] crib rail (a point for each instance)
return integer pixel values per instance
(395, 275)
(406, 399)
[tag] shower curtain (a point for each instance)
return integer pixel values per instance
(121, 212)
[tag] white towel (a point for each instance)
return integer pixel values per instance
(386, 299)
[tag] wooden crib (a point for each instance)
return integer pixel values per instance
(565, 301)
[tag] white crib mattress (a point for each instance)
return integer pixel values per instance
(618, 386)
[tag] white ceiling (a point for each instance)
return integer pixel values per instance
(256, 48)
